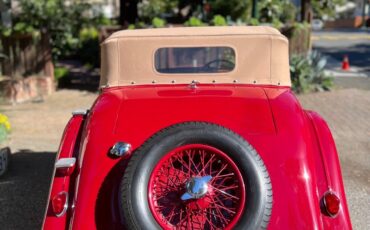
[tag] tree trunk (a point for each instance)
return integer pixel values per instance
(128, 12)
(306, 11)
(47, 60)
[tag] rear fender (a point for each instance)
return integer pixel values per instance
(69, 148)
(328, 156)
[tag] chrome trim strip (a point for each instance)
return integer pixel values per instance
(82, 112)
(65, 163)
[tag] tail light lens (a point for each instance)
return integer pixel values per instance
(59, 203)
(330, 204)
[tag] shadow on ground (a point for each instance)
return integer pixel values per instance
(80, 77)
(24, 190)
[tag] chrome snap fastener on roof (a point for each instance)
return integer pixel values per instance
(193, 84)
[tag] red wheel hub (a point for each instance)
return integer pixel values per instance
(196, 186)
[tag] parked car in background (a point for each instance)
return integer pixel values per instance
(317, 24)
(197, 128)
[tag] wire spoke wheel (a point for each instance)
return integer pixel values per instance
(195, 175)
(196, 186)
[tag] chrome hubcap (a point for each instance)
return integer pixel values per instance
(196, 187)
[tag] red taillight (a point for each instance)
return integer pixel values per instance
(331, 204)
(59, 203)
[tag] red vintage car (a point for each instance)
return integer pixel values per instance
(197, 128)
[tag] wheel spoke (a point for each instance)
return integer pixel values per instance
(205, 166)
(225, 193)
(215, 210)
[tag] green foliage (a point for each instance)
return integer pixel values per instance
(137, 25)
(3, 134)
(101, 20)
(289, 12)
(307, 73)
(88, 33)
(131, 27)
(4, 128)
(89, 49)
(322, 8)
(235, 8)
(60, 72)
(193, 21)
(219, 20)
(149, 9)
(22, 27)
(275, 11)
(253, 22)
(276, 23)
(53, 17)
(158, 22)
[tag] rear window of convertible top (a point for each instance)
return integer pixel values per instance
(185, 60)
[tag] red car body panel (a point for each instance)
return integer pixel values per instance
(296, 147)
(68, 148)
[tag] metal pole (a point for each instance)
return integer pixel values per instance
(254, 9)
(364, 14)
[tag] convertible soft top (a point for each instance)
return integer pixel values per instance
(261, 56)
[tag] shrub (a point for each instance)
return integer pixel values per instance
(276, 12)
(60, 72)
(307, 73)
(101, 20)
(219, 20)
(193, 21)
(89, 52)
(158, 22)
(131, 27)
(253, 22)
(149, 9)
(4, 127)
(54, 17)
(326, 8)
(235, 8)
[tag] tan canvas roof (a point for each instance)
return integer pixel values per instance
(261, 55)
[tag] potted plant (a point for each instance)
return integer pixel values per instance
(4, 150)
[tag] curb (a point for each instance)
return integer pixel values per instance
(339, 73)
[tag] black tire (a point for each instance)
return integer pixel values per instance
(134, 186)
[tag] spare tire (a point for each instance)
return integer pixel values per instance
(196, 175)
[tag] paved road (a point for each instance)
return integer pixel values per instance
(337, 43)
(37, 128)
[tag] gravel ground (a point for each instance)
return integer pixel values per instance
(37, 128)
(36, 132)
(347, 112)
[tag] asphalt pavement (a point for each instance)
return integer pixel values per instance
(335, 44)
